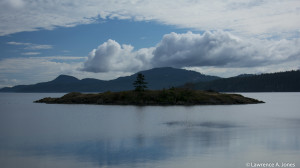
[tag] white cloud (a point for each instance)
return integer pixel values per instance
(216, 49)
(38, 47)
(31, 46)
(249, 17)
(17, 43)
(65, 58)
(31, 53)
(222, 49)
(111, 56)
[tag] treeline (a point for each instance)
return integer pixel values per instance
(272, 82)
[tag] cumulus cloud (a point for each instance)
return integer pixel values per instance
(222, 49)
(210, 49)
(111, 56)
(249, 17)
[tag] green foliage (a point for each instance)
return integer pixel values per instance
(139, 83)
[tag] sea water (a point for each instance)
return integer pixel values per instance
(55, 135)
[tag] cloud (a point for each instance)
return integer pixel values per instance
(30, 46)
(38, 47)
(216, 49)
(30, 70)
(222, 49)
(31, 53)
(111, 56)
(8, 82)
(13, 3)
(250, 17)
(17, 43)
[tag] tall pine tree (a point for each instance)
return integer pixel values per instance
(139, 83)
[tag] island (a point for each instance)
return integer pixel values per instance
(172, 96)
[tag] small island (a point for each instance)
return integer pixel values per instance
(141, 96)
(174, 96)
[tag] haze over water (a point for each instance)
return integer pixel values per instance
(50, 135)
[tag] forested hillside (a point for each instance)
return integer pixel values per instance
(272, 82)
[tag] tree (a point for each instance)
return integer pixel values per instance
(140, 84)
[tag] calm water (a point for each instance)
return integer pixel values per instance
(42, 135)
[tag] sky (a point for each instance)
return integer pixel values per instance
(106, 39)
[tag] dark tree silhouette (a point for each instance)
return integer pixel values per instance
(140, 84)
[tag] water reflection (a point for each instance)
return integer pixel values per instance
(185, 141)
(136, 149)
(201, 124)
(129, 136)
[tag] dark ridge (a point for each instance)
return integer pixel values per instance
(272, 82)
(157, 78)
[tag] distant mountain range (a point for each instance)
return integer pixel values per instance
(157, 78)
(272, 82)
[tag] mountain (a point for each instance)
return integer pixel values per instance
(272, 82)
(157, 78)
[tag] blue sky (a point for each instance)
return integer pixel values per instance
(105, 39)
(80, 40)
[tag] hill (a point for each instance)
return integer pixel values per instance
(271, 82)
(157, 78)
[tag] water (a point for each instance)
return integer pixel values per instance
(47, 135)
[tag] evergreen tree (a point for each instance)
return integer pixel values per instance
(140, 84)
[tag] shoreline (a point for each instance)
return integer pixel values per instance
(152, 97)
